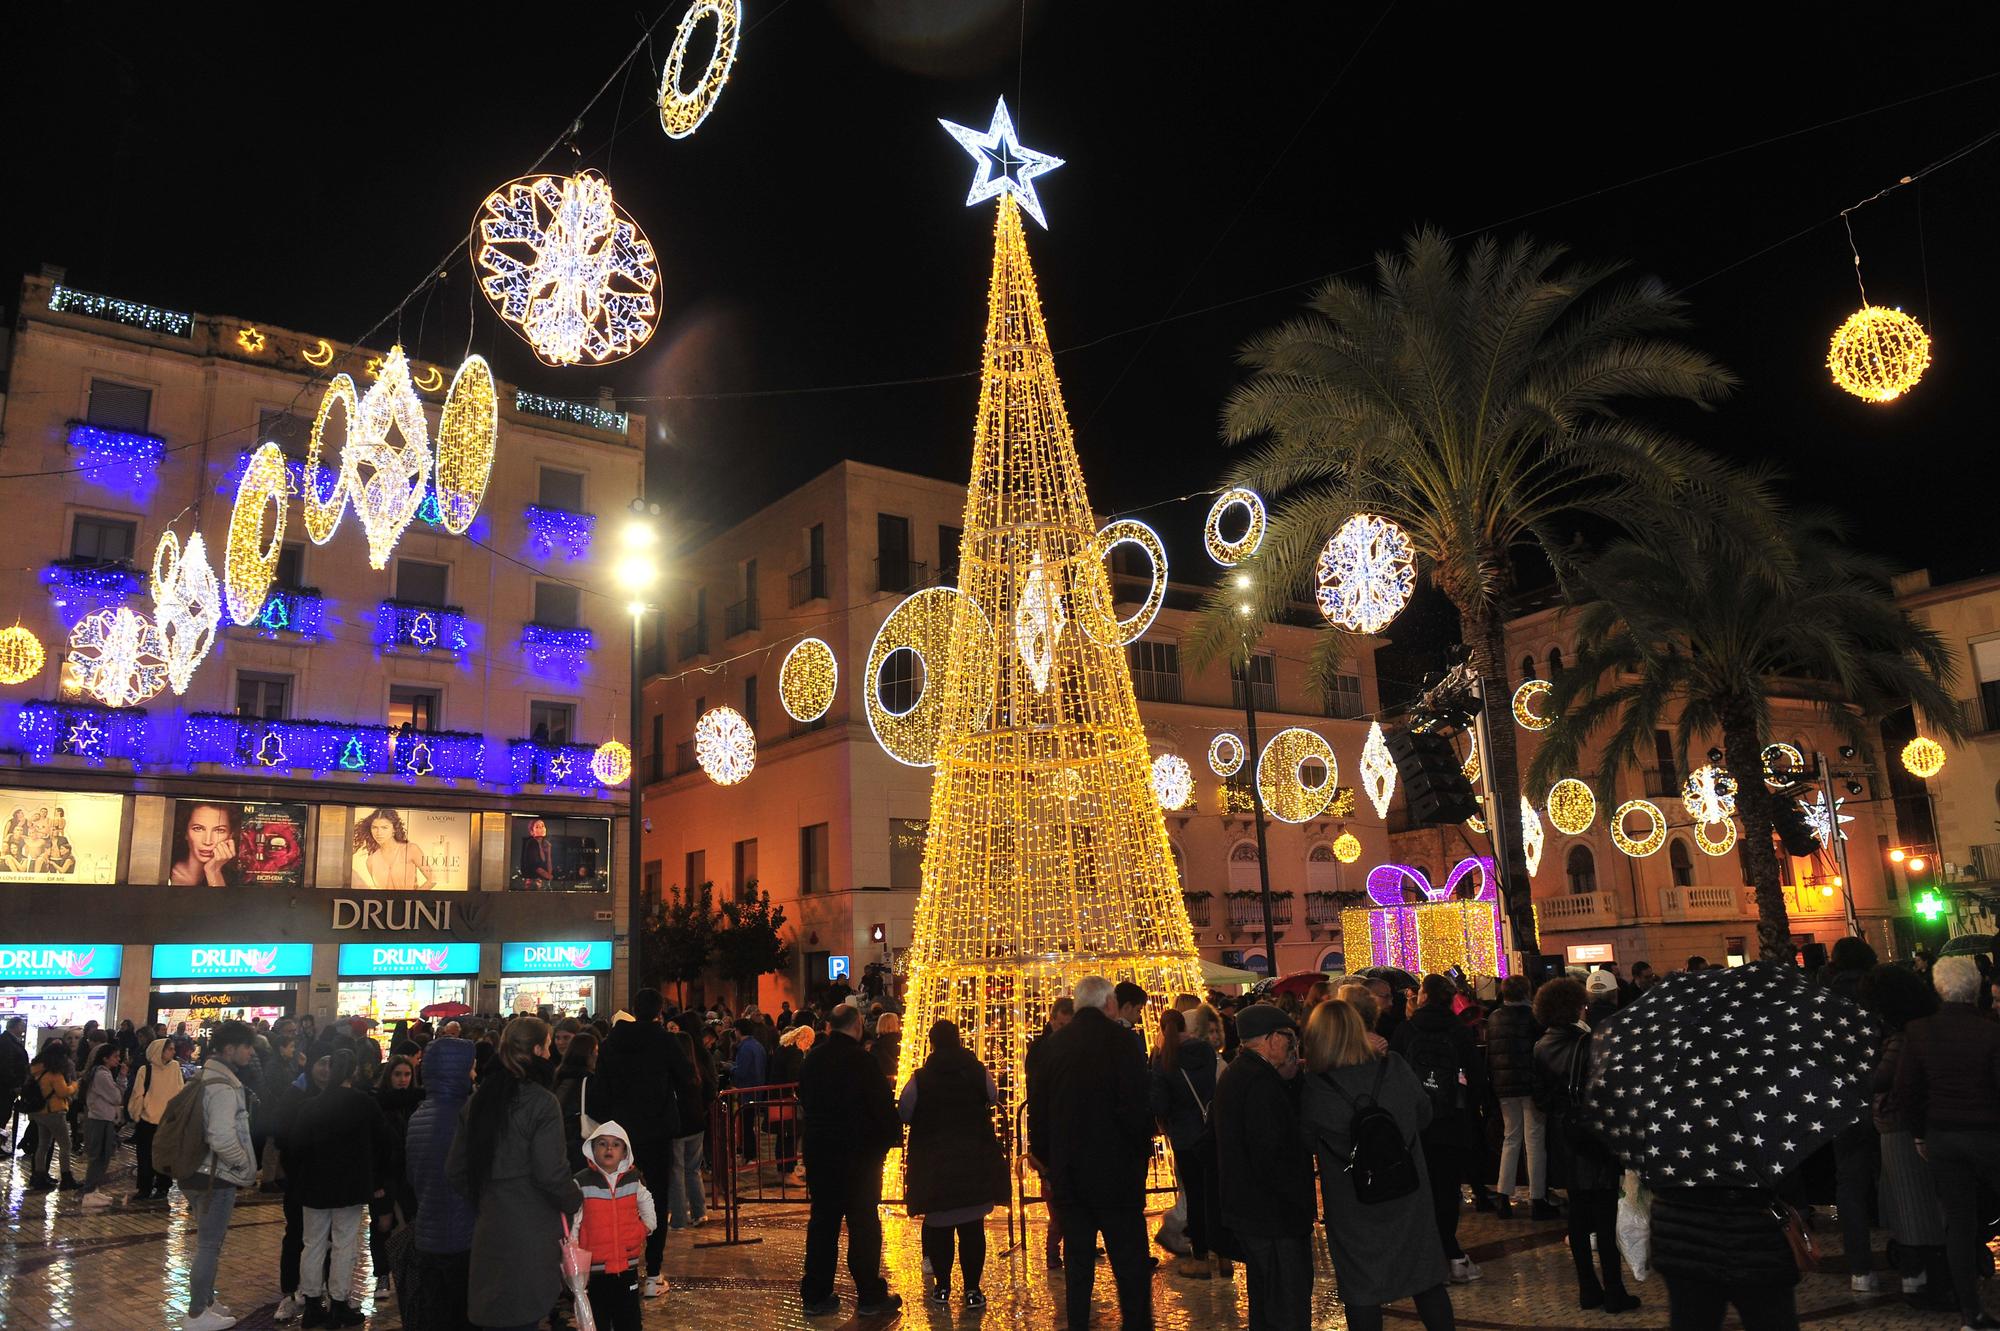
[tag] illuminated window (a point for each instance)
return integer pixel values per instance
(1156, 671)
(266, 696)
(551, 722)
(413, 706)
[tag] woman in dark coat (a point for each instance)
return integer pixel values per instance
(1911, 1211)
(1561, 1081)
(579, 1061)
(509, 1160)
(397, 1092)
(1183, 1091)
(955, 1172)
(444, 1218)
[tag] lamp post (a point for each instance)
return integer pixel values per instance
(636, 572)
(1256, 792)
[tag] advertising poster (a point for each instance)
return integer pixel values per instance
(60, 837)
(555, 854)
(394, 849)
(227, 844)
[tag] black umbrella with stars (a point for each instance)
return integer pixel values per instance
(1729, 1077)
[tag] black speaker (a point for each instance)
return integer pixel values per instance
(1789, 821)
(1434, 786)
(1812, 958)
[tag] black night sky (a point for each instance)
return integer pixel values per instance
(1220, 158)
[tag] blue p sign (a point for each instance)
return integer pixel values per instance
(836, 969)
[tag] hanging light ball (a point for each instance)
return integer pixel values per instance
(21, 655)
(1347, 848)
(1173, 781)
(807, 679)
(1879, 353)
(1924, 757)
(724, 745)
(1572, 806)
(612, 763)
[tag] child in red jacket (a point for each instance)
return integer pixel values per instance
(617, 1216)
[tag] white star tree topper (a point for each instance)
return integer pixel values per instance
(1005, 167)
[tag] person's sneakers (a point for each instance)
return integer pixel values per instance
(96, 1200)
(288, 1308)
(1485, 1201)
(882, 1307)
(1620, 1301)
(1983, 1322)
(314, 1313)
(654, 1287)
(1917, 1283)
(1463, 1271)
(1543, 1209)
(824, 1308)
(1865, 1283)
(209, 1320)
(1590, 1296)
(975, 1298)
(1055, 1257)
(43, 1184)
(940, 1294)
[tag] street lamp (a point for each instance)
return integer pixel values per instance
(1251, 634)
(636, 572)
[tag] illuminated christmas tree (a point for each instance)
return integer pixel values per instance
(1047, 856)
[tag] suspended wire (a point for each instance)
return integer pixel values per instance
(1847, 213)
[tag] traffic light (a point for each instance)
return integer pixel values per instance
(1434, 785)
(1794, 829)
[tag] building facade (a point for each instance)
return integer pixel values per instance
(833, 828)
(376, 796)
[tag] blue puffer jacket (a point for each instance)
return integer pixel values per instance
(444, 1219)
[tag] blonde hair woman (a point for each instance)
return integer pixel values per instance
(1362, 999)
(1386, 1250)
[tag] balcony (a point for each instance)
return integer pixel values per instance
(1200, 908)
(809, 584)
(741, 617)
(1684, 904)
(692, 641)
(898, 575)
(684, 757)
(1246, 913)
(1986, 863)
(1661, 781)
(1579, 910)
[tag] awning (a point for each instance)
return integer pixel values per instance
(1214, 973)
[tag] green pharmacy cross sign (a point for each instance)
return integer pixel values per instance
(1930, 905)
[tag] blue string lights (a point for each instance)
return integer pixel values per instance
(79, 587)
(555, 650)
(297, 611)
(553, 528)
(232, 480)
(426, 628)
(113, 458)
(79, 730)
(557, 766)
(329, 746)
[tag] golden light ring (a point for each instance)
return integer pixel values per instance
(681, 113)
(808, 680)
(1795, 764)
(923, 624)
(468, 431)
(1715, 847)
(323, 506)
(249, 566)
(1281, 775)
(1225, 754)
(1226, 552)
(1531, 692)
(1096, 607)
(1656, 831)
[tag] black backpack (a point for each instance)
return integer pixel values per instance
(1379, 1159)
(31, 1099)
(1434, 1058)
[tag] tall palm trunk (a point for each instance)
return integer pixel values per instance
(1756, 805)
(1485, 637)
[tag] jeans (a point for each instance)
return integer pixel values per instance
(340, 1230)
(849, 1192)
(1697, 1305)
(1444, 1160)
(1961, 1162)
(1523, 1124)
(210, 1204)
(292, 1244)
(1278, 1276)
(686, 1203)
(147, 1183)
(1433, 1306)
(1124, 1231)
(51, 1136)
(614, 1300)
(1856, 1161)
(1594, 1211)
(100, 1143)
(937, 1244)
(1204, 1195)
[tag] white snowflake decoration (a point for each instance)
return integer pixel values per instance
(1533, 838)
(1709, 794)
(725, 745)
(1378, 770)
(1038, 623)
(1173, 781)
(1366, 574)
(1823, 820)
(119, 657)
(566, 266)
(187, 602)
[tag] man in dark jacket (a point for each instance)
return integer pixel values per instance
(1267, 1170)
(1445, 1057)
(1948, 1087)
(640, 1073)
(341, 1146)
(1091, 1097)
(14, 1062)
(1511, 1032)
(850, 1124)
(1061, 1013)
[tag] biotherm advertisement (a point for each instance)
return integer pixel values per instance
(60, 837)
(227, 844)
(392, 848)
(231, 961)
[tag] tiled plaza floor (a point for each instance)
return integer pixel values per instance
(125, 1269)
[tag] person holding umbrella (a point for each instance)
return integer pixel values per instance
(1561, 1075)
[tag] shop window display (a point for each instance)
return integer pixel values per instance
(566, 994)
(553, 854)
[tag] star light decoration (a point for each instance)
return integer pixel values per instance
(1878, 354)
(1224, 550)
(1173, 781)
(1572, 806)
(1709, 794)
(1039, 621)
(807, 680)
(1366, 574)
(1656, 829)
(567, 268)
(611, 763)
(1533, 838)
(1923, 757)
(118, 657)
(1225, 754)
(724, 745)
(1825, 820)
(1005, 167)
(683, 109)
(21, 655)
(1281, 775)
(1378, 770)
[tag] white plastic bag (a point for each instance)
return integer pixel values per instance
(1635, 1225)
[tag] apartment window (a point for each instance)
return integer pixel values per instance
(560, 489)
(813, 858)
(898, 683)
(656, 758)
(906, 851)
(697, 870)
(557, 604)
(1263, 683)
(108, 540)
(291, 566)
(1986, 665)
(809, 583)
(419, 707)
(268, 697)
(1156, 671)
(1527, 668)
(1582, 869)
(1555, 661)
(948, 542)
(422, 583)
(551, 722)
(892, 553)
(743, 616)
(1343, 697)
(120, 406)
(1681, 861)
(745, 868)
(290, 433)
(649, 890)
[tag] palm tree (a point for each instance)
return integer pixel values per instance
(1479, 400)
(1678, 620)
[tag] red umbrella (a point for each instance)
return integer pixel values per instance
(446, 1010)
(1299, 984)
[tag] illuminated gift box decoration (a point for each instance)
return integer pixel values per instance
(1431, 936)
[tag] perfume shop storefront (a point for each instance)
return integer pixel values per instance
(200, 984)
(59, 987)
(392, 982)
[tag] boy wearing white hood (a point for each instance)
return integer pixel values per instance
(617, 1216)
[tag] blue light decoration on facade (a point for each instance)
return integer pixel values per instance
(298, 611)
(82, 730)
(329, 746)
(133, 314)
(426, 628)
(115, 458)
(559, 651)
(79, 587)
(233, 478)
(550, 529)
(577, 413)
(556, 766)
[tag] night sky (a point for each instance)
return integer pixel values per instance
(1220, 159)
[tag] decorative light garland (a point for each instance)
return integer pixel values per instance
(1710, 846)
(1776, 777)
(21, 655)
(1879, 354)
(550, 528)
(1281, 775)
(387, 498)
(1525, 698)
(427, 628)
(553, 766)
(432, 378)
(567, 268)
(1017, 166)
(1097, 609)
(323, 489)
(1173, 781)
(807, 680)
(612, 763)
(102, 454)
(1533, 838)
(1347, 848)
(79, 730)
(1656, 829)
(577, 413)
(1039, 620)
(227, 485)
(725, 745)
(79, 586)
(556, 649)
(250, 339)
(249, 564)
(319, 356)
(1366, 574)
(187, 602)
(299, 611)
(1471, 770)
(468, 431)
(118, 657)
(329, 746)
(1226, 552)
(1572, 806)
(1923, 757)
(1709, 794)
(922, 625)
(682, 109)
(1378, 770)
(1225, 754)
(111, 309)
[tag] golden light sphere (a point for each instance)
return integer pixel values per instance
(1924, 757)
(612, 763)
(21, 655)
(1347, 848)
(1572, 807)
(807, 680)
(1879, 354)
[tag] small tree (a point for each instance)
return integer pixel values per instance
(681, 939)
(749, 942)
